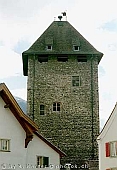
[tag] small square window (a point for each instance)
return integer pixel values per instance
(42, 162)
(49, 47)
(4, 144)
(56, 106)
(76, 81)
(76, 48)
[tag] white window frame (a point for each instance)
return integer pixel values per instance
(5, 145)
(113, 149)
(49, 49)
(74, 46)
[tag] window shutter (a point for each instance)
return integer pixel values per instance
(107, 147)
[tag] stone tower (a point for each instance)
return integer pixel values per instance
(62, 91)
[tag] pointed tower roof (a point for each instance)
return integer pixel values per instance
(62, 37)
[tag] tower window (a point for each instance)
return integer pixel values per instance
(76, 48)
(82, 58)
(49, 47)
(42, 161)
(42, 109)
(56, 106)
(62, 58)
(43, 58)
(76, 81)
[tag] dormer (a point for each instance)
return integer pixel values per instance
(49, 43)
(76, 44)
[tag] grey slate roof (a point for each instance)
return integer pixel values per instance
(62, 36)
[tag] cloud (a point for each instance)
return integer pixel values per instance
(13, 81)
(21, 46)
(21, 92)
(111, 25)
(10, 64)
(21, 10)
(108, 84)
(21, 20)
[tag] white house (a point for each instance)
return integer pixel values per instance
(107, 142)
(21, 145)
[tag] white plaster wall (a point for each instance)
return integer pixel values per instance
(38, 148)
(11, 129)
(110, 135)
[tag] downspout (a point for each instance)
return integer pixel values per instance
(33, 102)
(92, 101)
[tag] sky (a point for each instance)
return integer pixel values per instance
(23, 21)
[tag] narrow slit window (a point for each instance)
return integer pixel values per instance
(82, 58)
(63, 58)
(56, 106)
(42, 109)
(76, 81)
(43, 58)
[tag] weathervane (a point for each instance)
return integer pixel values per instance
(64, 14)
(61, 16)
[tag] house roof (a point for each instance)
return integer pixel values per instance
(28, 125)
(62, 36)
(108, 123)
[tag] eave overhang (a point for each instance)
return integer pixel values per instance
(28, 53)
(27, 124)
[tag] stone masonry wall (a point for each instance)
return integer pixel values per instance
(75, 128)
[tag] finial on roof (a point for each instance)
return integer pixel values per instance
(60, 17)
(63, 15)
